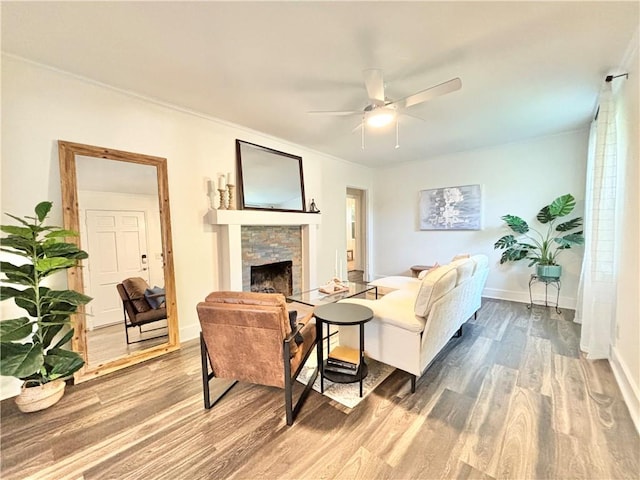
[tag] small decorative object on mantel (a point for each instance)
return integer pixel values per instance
(542, 249)
(212, 193)
(32, 345)
(222, 189)
(231, 205)
(312, 207)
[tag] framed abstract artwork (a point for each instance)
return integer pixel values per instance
(451, 208)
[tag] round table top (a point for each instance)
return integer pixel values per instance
(343, 313)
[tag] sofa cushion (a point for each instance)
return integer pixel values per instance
(465, 268)
(481, 262)
(437, 283)
(396, 308)
(424, 273)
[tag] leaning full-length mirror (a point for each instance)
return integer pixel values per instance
(119, 203)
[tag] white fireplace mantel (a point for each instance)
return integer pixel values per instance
(262, 217)
(230, 223)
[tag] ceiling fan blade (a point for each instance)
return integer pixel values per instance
(374, 82)
(336, 113)
(429, 93)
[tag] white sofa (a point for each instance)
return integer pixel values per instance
(416, 319)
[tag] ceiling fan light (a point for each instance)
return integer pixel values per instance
(380, 117)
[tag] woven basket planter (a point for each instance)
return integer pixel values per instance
(39, 397)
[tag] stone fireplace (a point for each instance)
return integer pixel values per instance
(229, 225)
(264, 244)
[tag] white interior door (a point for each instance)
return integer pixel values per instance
(119, 241)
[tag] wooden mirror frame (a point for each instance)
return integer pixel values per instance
(67, 152)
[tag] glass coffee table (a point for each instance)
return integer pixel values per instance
(315, 297)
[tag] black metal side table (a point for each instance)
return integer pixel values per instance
(554, 282)
(341, 314)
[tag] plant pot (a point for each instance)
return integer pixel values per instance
(549, 271)
(39, 397)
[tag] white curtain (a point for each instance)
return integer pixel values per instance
(597, 288)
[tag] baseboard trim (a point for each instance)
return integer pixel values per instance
(629, 389)
(190, 332)
(523, 297)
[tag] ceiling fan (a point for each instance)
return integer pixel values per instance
(381, 110)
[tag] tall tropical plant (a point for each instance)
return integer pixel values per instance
(541, 247)
(27, 348)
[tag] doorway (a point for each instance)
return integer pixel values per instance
(120, 237)
(356, 240)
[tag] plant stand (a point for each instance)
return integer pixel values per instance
(554, 282)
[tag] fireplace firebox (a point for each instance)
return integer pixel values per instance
(272, 278)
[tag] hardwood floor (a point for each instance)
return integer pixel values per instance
(109, 343)
(512, 398)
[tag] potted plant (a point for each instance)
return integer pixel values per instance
(31, 347)
(542, 249)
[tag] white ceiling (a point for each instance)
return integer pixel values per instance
(527, 68)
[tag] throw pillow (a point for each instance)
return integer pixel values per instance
(460, 256)
(433, 286)
(293, 320)
(424, 273)
(152, 295)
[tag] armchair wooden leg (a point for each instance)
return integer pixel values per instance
(206, 377)
(413, 383)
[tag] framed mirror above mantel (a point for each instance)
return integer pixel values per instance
(269, 179)
(118, 201)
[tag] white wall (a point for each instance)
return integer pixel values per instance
(518, 179)
(41, 106)
(625, 354)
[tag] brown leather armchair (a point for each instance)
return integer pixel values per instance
(247, 337)
(136, 309)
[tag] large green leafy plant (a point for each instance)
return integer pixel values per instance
(27, 350)
(542, 247)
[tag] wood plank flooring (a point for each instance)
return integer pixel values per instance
(512, 398)
(109, 343)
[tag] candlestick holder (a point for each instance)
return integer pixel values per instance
(222, 203)
(231, 205)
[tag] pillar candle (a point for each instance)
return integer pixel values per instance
(221, 183)
(230, 179)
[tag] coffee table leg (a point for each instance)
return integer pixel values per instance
(361, 366)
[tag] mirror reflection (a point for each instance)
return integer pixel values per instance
(269, 179)
(120, 229)
(119, 203)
